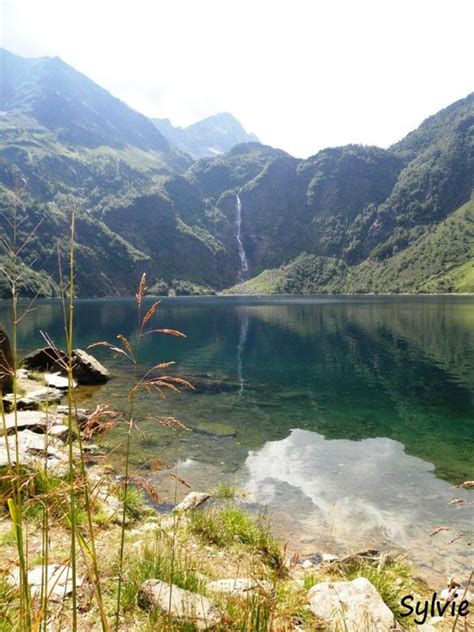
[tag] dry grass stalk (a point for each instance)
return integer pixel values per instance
(149, 489)
(100, 420)
(170, 422)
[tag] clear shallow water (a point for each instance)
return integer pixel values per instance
(350, 418)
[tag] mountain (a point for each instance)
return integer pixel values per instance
(348, 219)
(212, 136)
(414, 234)
(71, 106)
(69, 144)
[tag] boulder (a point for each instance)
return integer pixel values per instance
(179, 603)
(86, 369)
(191, 501)
(6, 363)
(240, 586)
(58, 580)
(350, 606)
(45, 359)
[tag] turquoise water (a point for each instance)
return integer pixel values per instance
(350, 418)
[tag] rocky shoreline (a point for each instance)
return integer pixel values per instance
(332, 593)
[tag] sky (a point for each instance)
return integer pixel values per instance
(301, 74)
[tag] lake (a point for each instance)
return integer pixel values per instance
(349, 418)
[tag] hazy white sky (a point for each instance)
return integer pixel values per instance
(301, 74)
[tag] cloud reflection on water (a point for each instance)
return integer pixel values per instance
(361, 494)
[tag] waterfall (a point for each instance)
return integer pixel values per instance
(244, 266)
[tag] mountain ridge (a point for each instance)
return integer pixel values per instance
(211, 136)
(348, 218)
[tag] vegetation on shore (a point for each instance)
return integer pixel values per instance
(440, 260)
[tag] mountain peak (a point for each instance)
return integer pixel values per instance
(212, 136)
(71, 105)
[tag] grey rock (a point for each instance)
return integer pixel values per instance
(328, 557)
(350, 606)
(60, 431)
(58, 381)
(22, 403)
(432, 625)
(179, 603)
(58, 578)
(80, 414)
(6, 362)
(92, 449)
(45, 359)
(240, 586)
(457, 594)
(46, 394)
(32, 420)
(307, 564)
(88, 370)
(33, 449)
(191, 501)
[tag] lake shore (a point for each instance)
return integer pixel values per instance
(207, 544)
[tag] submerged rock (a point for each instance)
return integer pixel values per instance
(215, 429)
(191, 501)
(80, 414)
(350, 606)
(179, 603)
(206, 384)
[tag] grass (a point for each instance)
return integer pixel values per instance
(460, 279)
(392, 581)
(9, 606)
(38, 376)
(159, 560)
(255, 614)
(134, 503)
(232, 526)
(226, 491)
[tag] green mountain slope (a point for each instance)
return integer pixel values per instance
(440, 260)
(348, 219)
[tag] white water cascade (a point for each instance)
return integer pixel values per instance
(244, 266)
